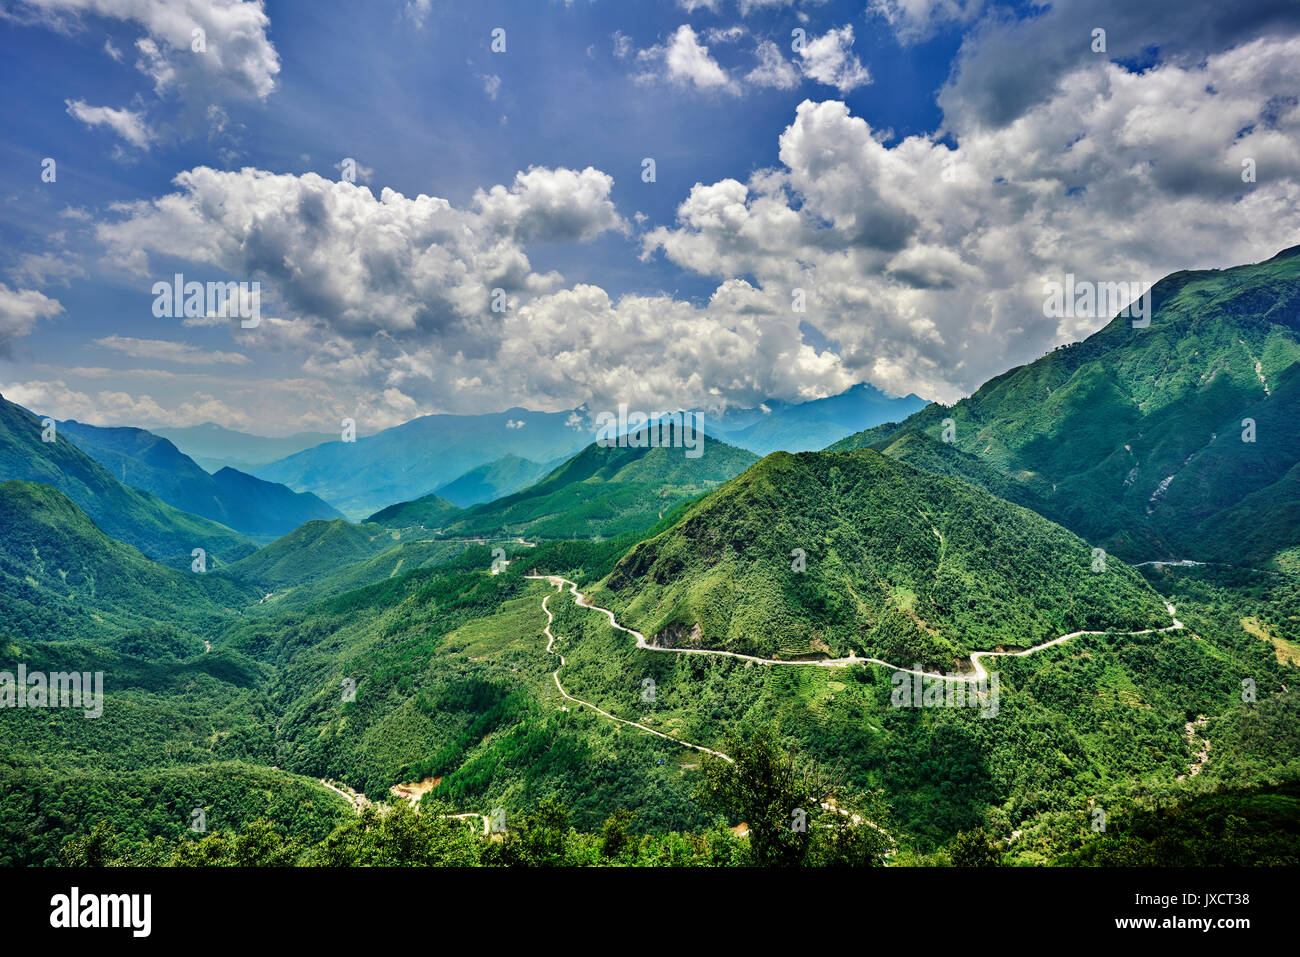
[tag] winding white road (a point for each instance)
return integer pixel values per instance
(979, 674)
(641, 643)
(1188, 563)
(357, 801)
(550, 619)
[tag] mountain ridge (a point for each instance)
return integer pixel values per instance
(154, 464)
(138, 518)
(827, 553)
(602, 490)
(1134, 435)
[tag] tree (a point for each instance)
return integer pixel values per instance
(974, 848)
(850, 834)
(399, 836)
(614, 839)
(763, 787)
(533, 840)
(99, 848)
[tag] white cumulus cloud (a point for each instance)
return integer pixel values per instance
(19, 311)
(127, 124)
(829, 60)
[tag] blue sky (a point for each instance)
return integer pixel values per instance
(917, 167)
(410, 103)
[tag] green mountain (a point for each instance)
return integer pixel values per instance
(267, 508)
(313, 550)
(505, 475)
(138, 518)
(146, 461)
(62, 578)
(1137, 438)
(601, 491)
(898, 564)
(431, 511)
(321, 559)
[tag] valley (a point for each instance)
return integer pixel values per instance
(622, 643)
(551, 444)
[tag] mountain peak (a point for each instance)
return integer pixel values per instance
(884, 548)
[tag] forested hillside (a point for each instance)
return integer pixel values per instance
(827, 554)
(137, 518)
(1154, 442)
(62, 578)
